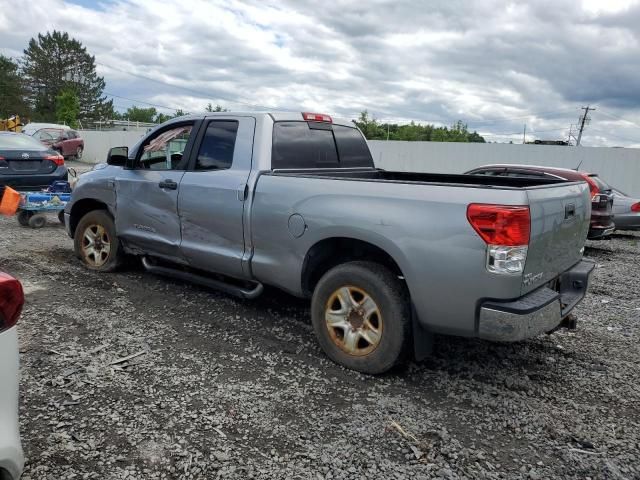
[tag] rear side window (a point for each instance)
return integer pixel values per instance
(352, 148)
(218, 144)
(297, 145)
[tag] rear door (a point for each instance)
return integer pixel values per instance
(560, 218)
(213, 193)
(147, 194)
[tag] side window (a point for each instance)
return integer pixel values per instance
(164, 151)
(218, 144)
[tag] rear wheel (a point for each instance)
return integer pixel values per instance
(23, 217)
(361, 316)
(79, 153)
(95, 242)
(61, 216)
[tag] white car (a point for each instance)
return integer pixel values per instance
(11, 301)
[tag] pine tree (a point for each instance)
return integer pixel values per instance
(54, 63)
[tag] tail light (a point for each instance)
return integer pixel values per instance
(635, 207)
(506, 230)
(11, 301)
(316, 117)
(593, 186)
(57, 159)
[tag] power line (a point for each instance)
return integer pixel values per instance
(193, 91)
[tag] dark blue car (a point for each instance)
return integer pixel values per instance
(27, 164)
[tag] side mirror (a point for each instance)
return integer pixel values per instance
(118, 156)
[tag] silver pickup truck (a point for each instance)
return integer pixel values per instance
(293, 200)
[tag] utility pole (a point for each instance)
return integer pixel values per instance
(583, 121)
(524, 134)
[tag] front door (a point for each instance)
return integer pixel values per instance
(147, 194)
(212, 196)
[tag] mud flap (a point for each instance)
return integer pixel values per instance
(422, 339)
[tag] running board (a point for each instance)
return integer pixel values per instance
(202, 280)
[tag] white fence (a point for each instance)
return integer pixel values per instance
(97, 143)
(619, 167)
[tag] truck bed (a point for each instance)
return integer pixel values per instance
(379, 175)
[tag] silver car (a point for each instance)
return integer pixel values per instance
(11, 301)
(626, 211)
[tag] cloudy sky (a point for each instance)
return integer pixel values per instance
(496, 65)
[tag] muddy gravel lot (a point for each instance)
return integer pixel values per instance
(130, 375)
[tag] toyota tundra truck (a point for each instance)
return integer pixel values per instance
(236, 201)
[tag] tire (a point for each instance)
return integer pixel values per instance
(23, 217)
(61, 216)
(382, 329)
(78, 155)
(37, 220)
(95, 242)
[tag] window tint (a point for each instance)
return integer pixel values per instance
(295, 145)
(352, 147)
(216, 149)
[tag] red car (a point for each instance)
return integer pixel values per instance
(65, 141)
(602, 224)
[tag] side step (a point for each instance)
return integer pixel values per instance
(229, 288)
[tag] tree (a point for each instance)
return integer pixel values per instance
(54, 63)
(217, 108)
(414, 132)
(68, 108)
(139, 114)
(12, 93)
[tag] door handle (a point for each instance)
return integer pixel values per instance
(168, 184)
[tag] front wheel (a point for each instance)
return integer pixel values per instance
(95, 242)
(79, 153)
(361, 315)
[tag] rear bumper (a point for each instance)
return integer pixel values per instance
(34, 181)
(600, 232)
(11, 457)
(537, 312)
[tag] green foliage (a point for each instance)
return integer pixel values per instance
(54, 63)
(415, 132)
(12, 92)
(217, 108)
(68, 108)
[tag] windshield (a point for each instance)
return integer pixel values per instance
(20, 141)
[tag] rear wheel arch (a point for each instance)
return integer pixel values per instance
(332, 251)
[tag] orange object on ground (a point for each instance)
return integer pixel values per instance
(10, 202)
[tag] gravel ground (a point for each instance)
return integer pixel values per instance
(130, 375)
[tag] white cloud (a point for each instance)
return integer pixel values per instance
(494, 64)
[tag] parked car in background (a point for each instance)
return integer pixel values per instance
(33, 127)
(626, 210)
(293, 200)
(11, 302)
(602, 217)
(27, 164)
(65, 141)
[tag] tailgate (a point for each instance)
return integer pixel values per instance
(560, 217)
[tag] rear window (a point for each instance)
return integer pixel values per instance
(297, 145)
(20, 141)
(602, 185)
